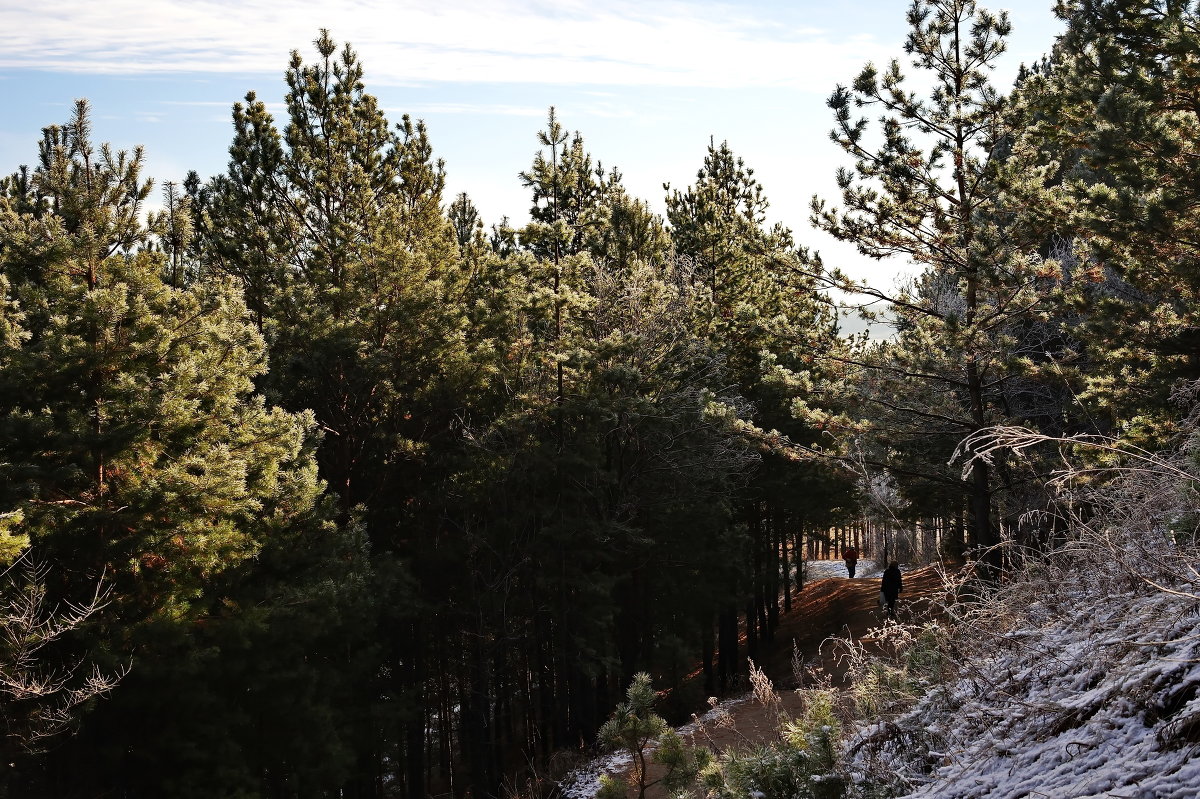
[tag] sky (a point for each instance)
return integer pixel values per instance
(647, 82)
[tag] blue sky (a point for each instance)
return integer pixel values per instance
(647, 82)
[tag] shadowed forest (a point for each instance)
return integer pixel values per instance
(314, 483)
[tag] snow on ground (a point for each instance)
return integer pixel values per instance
(1087, 697)
(584, 782)
(820, 569)
(1088, 687)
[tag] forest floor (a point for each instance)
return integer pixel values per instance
(827, 607)
(1079, 677)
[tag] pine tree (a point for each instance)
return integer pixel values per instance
(1114, 118)
(567, 190)
(353, 260)
(778, 336)
(606, 443)
(634, 727)
(465, 217)
(134, 440)
(939, 188)
(718, 222)
(625, 230)
(335, 230)
(132, 444)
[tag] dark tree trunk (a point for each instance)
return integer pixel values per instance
(727, 663)
(412, 670)
(786, 563)
(710, 686)
(477, 735)
(751, 629)
(774, 542)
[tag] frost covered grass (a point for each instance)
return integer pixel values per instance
(1078, 678)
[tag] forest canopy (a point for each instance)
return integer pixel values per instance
(347, 491)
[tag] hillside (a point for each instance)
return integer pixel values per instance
(829, 606)
(1078, 680)
(1082, 684)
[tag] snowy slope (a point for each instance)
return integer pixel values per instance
(1080, 681)
(1080, 696)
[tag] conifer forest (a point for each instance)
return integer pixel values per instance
(315, 483)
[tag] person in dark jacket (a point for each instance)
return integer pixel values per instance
(891, 588)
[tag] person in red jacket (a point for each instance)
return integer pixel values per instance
(850, 555)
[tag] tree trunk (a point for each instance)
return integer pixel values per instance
(727, 662)
(706, 635)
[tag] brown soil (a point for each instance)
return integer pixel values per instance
(832, 607)
(842, 608)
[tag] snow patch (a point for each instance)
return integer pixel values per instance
(1089, 699)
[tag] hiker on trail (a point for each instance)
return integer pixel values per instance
(850, 555)
(891, 588)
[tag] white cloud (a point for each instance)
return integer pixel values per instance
(621, 42)
(274, 108)
(480, 109)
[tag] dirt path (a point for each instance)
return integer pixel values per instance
(829, 607)
(841, 607)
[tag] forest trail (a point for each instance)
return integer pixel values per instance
(833, 606)
(841, 607)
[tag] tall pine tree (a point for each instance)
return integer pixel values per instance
(134, 447)
(936, 185)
